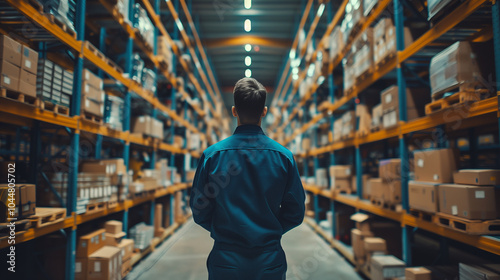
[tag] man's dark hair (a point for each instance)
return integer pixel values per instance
(249, 100)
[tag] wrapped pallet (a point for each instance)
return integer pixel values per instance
(363, 49)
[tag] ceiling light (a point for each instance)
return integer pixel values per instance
(248, 25)
(248, 4)
(248, 73)
(292, 54)
(321, 9)
(310, 71)
(295, 71)
(295, 77)
(179, 24)
(248, 61)
(248, 47)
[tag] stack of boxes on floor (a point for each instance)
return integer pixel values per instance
(92, 94)
(104, 254)
(465, 195)
(18, 67)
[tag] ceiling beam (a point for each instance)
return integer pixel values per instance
(247, 39)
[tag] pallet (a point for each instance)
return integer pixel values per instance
(112, 204)
(385, 60)
(142, 194)
(96, 207)
(386, 205)
(455, 99)
(49, 106)
(46, 216)
(364, 75)
(17, 96)
(95, 51)
(92, 117)
(475, 87)
(114, 65)
(62, 25)
(337, 192)
(473, 227)
(21, 225)
(421, 215)
(139, 36)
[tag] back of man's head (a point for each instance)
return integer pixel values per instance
(249, 100)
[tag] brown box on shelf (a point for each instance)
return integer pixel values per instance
(93, 107)
(92, 79)
(377, 117)
(10, 74)
(341, 185)
(384, 267)
(340, 171)
(385, 39)
(415, 103)
(392, 194)
(363, 119)
(478, 177)
(92, 93)
(435, 165)
(365, 183)
(88, 244)
(469, 202)
(113, 227)
(149, 183)
(417, 273)
(27, 83)
(348, 124)
(81, 268)
(105, 264)
(375, 244)
(114, 239)
(127, 248)
(10, 50)
(29, 60)
(423, 196)
(28, 200)
(362, 222)
(390, 169)
(377, 187)
(25, 201)
(157, 128)
(362, 47)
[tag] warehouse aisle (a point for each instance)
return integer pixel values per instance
(184, 255)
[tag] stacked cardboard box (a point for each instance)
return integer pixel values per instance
(18, 66)
(374, 246)
(386, 190)
(127, 249)
(386, 267)
(417, 273)
(363, 119)
(114, 112)
(362, 47)
(415, 101)
(348, 125)
(114, 233)
(377, 118)
(384, 35)
(24, 199)
(92, 94)
(86, 246)
(148, 126)
(479, 271)
(321, 178)
(340, 179)
(142, 235)
(353, 16)
(115, 170)
(115, 238)
(358, 236)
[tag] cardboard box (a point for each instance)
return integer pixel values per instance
(88, 244)
(341, 185)
(127, 248)
(92, 93)
(27, 83)
(92, 79)
(415, 102)
(377, 117)
(363, 119)
(469, 202)
(93, 107)
(435, 166)
(114, 239)
(28, 200)
(142, 125)
(364, 182)
(390, 169)
(113, 227)
(375, 244)
(377, 187)
(24, 199)
(417, 273)
(482, 271)
(423, 196)
(10, 50)
(358, 245)
(337, 130)
(362, 222)
(9, 75)
(81, 268)
(29, 60)
(105, 264)
(383, 267)
(348, 124)
(340, 171)
(478, 177)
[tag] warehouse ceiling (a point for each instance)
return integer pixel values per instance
(221, 26)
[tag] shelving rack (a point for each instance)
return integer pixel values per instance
(484, 112)
(24, 115)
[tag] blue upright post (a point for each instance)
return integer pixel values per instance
(100, 73)
(359, 173)
(403, 149)
(175, 36)
(496, 38)
(75, 145)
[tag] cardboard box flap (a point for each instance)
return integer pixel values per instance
(360, 217)
(105, 252)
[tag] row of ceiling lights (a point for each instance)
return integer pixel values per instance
(248, 27)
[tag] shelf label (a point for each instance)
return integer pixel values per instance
(97, 267)
(78, 267)
(6, 80)
(420, 162)
(27, 63)
(480, 194)
(454, 210)
(436, 177)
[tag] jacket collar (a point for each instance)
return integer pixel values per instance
(249, 129)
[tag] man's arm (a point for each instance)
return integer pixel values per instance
(292, 207)
(201, 205)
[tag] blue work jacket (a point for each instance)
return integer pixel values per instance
(247, 190)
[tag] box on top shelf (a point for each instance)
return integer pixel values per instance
(383, 267)
(10, 50)
(385, 39)
(417, 273)
(390, 169)
(469, 202)
(423, 196)
(363, 49)
(435, 165)
(478, 177)
(415, 104)
(92, 79)
(459, 65)
(9, 75)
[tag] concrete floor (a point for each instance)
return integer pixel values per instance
(183, 256)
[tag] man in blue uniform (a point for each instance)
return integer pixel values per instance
(247, 193)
